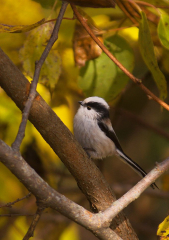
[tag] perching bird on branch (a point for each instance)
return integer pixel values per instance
(94, 131)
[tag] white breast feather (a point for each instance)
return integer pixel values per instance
(90, 136)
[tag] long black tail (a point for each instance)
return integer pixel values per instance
(134, 166)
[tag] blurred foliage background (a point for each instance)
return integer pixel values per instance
(140, 123)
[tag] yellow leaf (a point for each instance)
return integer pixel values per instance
(20, 12)
(163, 229)
(32, 50)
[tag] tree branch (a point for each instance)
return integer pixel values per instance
(51, 198)
(97, 223)
(34, 223)
(123, 188)
(88, 177)
(38, 65)
(136, 191)
(16, 215)
(122, 6)
(9, 204)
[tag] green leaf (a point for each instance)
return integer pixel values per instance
(163, 30)
(32, 51)
(148, 55)
(101, 77)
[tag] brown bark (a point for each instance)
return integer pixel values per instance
(88, 177)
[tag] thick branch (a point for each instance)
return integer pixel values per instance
(87, 175)
(48, 197)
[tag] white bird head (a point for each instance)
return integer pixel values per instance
(94, 108)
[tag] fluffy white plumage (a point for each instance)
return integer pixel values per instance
(93, 130)
(88, 133)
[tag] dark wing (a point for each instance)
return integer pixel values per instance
(111, 134)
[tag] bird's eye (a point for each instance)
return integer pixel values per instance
(88, 108)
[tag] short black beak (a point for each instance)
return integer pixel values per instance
(80, 102)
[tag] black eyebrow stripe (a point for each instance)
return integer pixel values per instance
(100, 108)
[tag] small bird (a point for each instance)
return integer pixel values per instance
(94, 131)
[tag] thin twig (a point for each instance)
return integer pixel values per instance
(34, 223)
(86, 35)
(38, 65)
(148, 5)
(136, 191)
(131, 76)
(16, 215)
(135, 7)
(159, 6)
(123, 8)
(55, 19)
(9, 204)
(120, 188)
(54, 5)
(143, 123)
(123, 188)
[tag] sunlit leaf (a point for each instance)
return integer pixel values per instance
(25, 12)
(147, 52)
(31, 52)
(163, 30)
(101, 77)
(163, 229)
(20, 28)
(20, 12)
